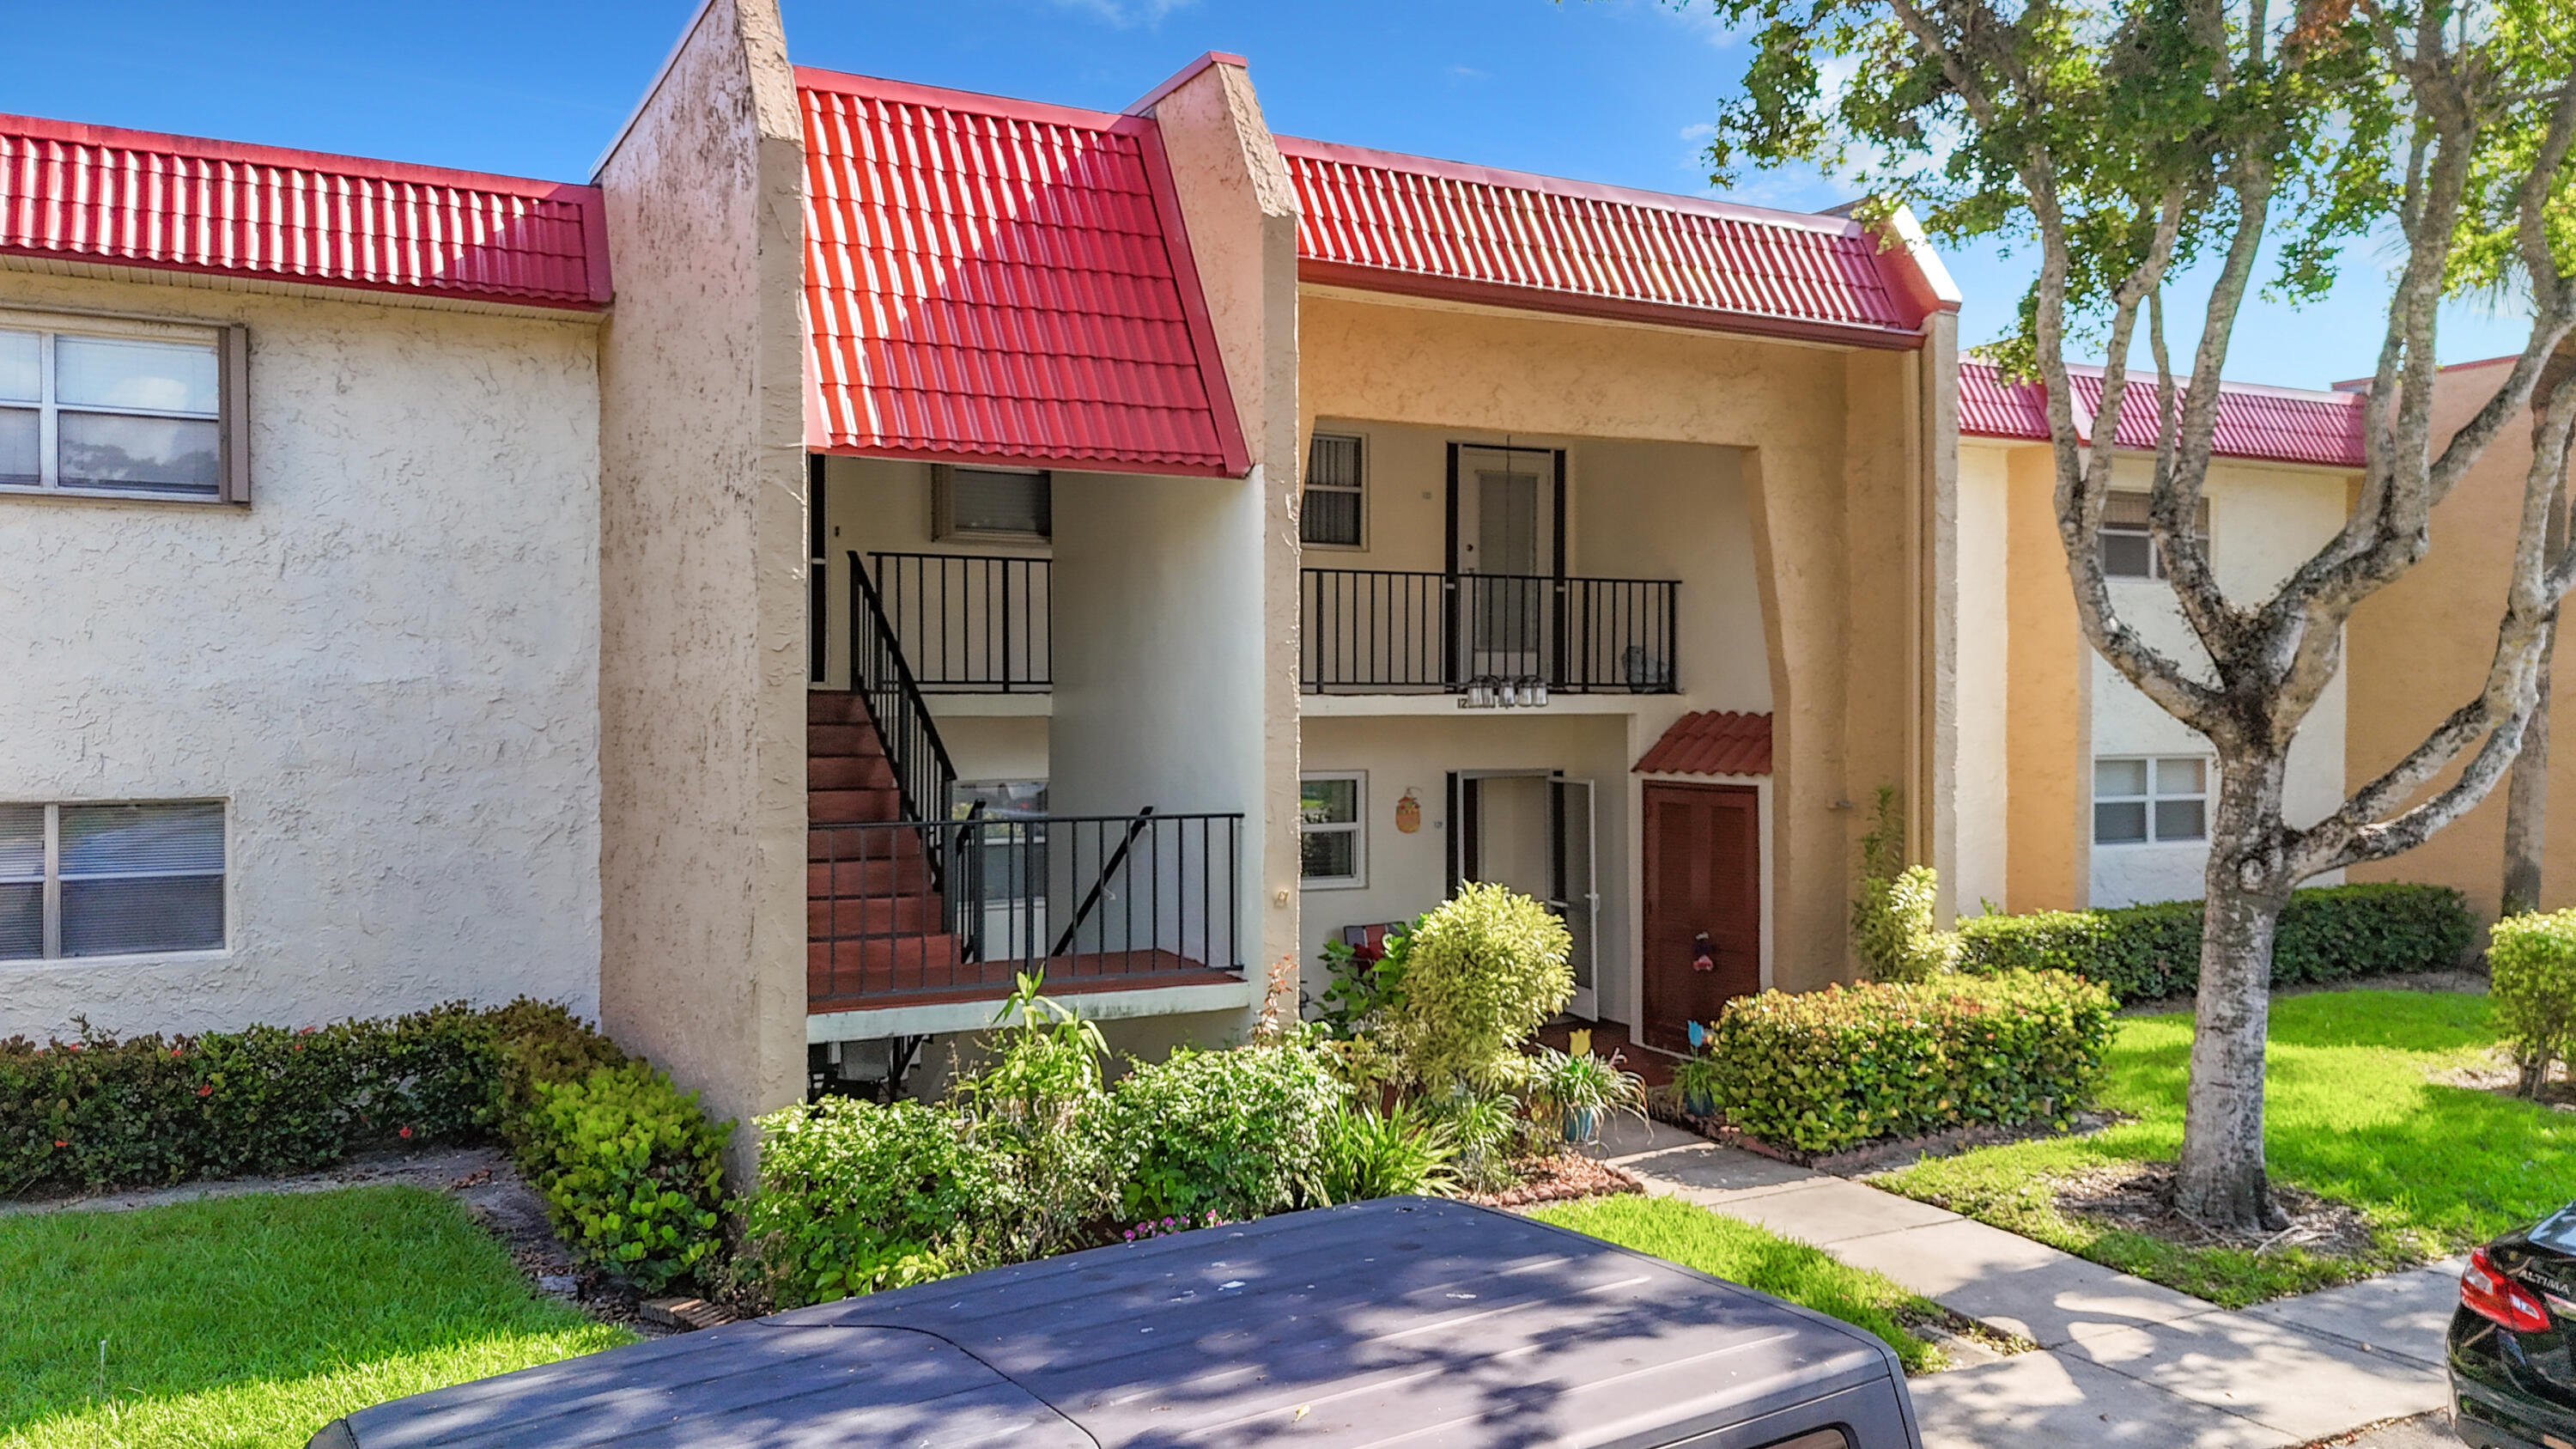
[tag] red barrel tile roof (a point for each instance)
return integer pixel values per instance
(2270, 424)
(1002, 281)
(141, 199)
(1713, 742)
(1384, 221)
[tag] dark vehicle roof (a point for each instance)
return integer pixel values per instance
(1405, 1319)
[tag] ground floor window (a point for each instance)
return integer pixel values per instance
(111, 880)
(2137, 801)
(1331, 850)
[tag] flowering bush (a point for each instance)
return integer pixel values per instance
(1153, 1228)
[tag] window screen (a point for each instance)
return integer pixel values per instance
(1330, 512)
(994, 502)
(104, 880)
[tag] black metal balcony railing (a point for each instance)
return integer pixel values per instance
(1378, 630)
(968, 623)
(1087, 897)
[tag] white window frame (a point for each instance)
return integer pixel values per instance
(943, 505)
(2155, 556)
(1306, 485)
(2150, 800)
(231, 346)
(1356, 827)
(51, 949)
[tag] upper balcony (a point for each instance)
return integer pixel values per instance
(982, 624)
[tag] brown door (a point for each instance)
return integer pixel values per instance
(1703, 876)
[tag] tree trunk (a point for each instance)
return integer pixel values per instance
(2222, 1181)
(2526, 791)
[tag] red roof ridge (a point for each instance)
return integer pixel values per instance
(2256, 421)
(1818, 221)
(883, 88)
(255, 153)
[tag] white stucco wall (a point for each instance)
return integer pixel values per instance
(387, 665)
(1984, 789)
(2263, 521)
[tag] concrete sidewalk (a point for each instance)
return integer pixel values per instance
(2122, 1361)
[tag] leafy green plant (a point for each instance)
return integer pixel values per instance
(1825, 1070)
(2533, 962)
(631, 1169)
(1696, 1082)
(1234, 1132)
(1039, 1105)
(1485, 1129)
(2150, 952)
(1892, 916)
(1372, 1154)
(1578, 1090)
(856, 1197)
(1363, 986)
(1482, 972)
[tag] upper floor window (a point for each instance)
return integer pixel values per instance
(1004, 503)
(2128, 552)
(1329, 515)
(2151, 800)
(111, 880)
(151, 412)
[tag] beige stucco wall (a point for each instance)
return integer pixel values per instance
(2049, 736)
(1834, 500)
(2419, 649)
(702, 556)
(1985, 654)
(386, 665)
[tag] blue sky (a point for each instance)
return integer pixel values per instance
(1606, 90)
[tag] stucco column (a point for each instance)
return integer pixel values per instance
(1240, 212)
(702, 564)
(2048, 735)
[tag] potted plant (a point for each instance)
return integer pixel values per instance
(1577, 1090)
(1695, 1080)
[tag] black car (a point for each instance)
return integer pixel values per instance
(1399, 1322)
(2512, 1385)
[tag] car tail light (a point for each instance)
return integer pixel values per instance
(2490, 1294)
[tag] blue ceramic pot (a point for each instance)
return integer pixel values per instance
(1578, 1126)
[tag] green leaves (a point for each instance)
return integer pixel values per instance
(1822, 1071)
(1481, 973)
(631, 1169)
(2533, 961)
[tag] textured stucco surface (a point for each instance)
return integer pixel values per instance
(702, 564)
(1985, 714)
(387, 665)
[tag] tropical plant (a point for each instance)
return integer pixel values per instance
(1363, 984)
(1696, 1081)
(1486, 1130)
(1369, 1154)
(2127, 140)
(1576, 1090)
(1892, 909)
(1039, 1106)
(1482, 972)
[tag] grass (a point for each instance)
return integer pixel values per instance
(1758, 1258)
(254, 1320)
(2351, 1113)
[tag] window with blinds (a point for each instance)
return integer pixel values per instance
(1005, 503)
(2128, 550)
(1329, 513)
(140, 415)
(111, 880)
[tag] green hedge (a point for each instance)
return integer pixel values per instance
(1824, 1070)
(2142, 953)
(2533, 958)
(626, 1161)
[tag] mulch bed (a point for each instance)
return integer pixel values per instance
(1561, 1178)
(2138, 1198)
(2497, 1075)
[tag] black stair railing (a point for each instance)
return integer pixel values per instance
(924, 774)
(970, 623)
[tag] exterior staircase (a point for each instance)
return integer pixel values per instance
(875, 919)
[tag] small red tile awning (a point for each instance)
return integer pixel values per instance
(1712, 742)
(1381, 221)
(96, 194)
(1000, 281)
(2264, 424)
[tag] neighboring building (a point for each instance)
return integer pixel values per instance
(299, 533)
(2074, 788)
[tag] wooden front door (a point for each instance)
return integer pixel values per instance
(1703, 875)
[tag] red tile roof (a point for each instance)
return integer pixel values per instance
(1714, 742)
(140, 199)
(1389, 222)
(999, 280)
(2271, 424)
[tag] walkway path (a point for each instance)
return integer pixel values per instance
(2122, 1361)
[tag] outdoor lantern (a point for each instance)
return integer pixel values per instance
(1534, 694)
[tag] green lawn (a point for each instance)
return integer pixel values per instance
(255, 1320)
(2350, 1113)
(1756, 1257)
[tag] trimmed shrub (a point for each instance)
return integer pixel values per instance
(2142, 953)
(631, 1170)
(2533, 958)
(1824, 1070)
(1239, 1133)
(1481, 973)
(1892, 927)
(856, 1197)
